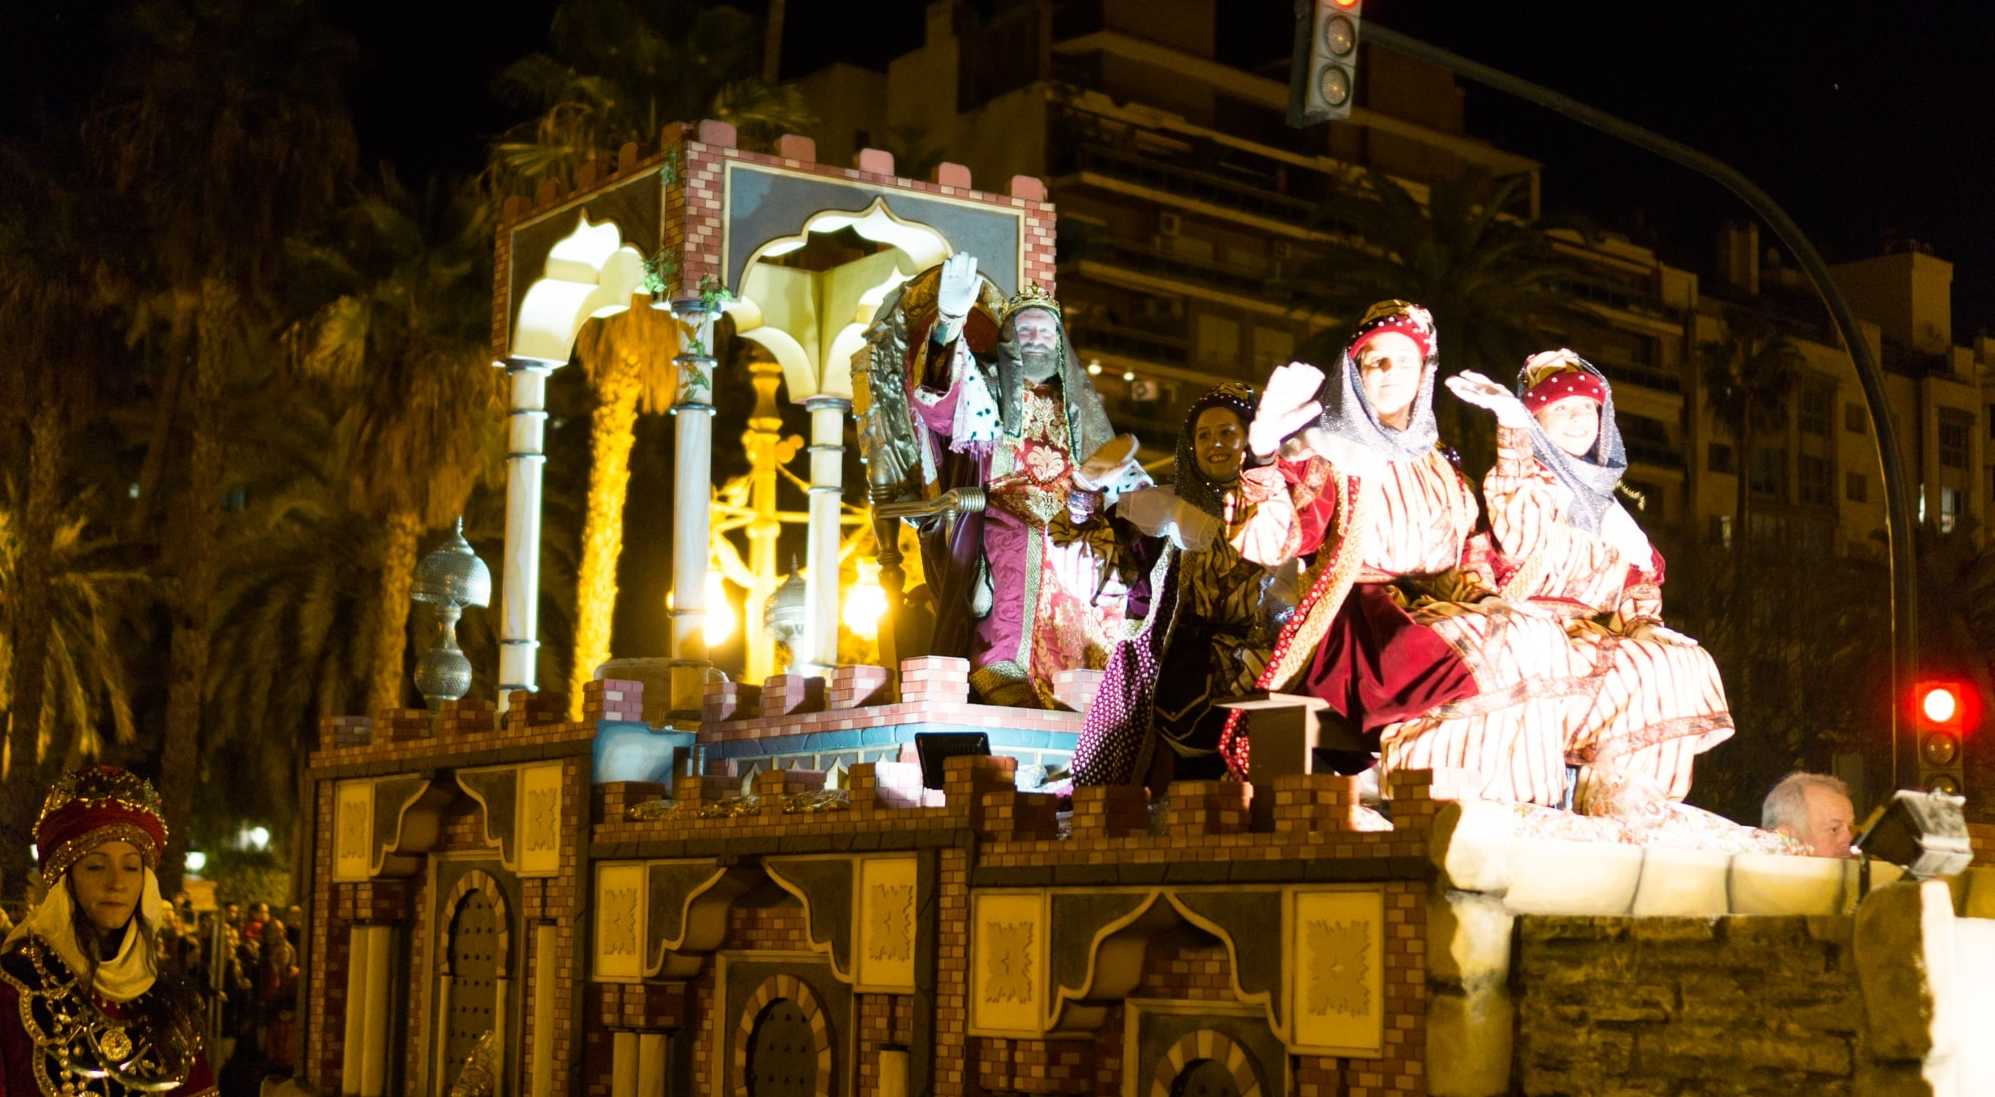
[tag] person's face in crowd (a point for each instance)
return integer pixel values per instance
(1831, 825)
(1038, 334)
(1389, 367)
(1219, 441)
(1572, 423)
(108, 880)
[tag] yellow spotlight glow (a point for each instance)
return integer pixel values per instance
(865, 602)
(720, 612)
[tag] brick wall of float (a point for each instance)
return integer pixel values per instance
(413, 740)
(694, 207)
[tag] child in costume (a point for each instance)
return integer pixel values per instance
(83, 1008)
(1566, 544)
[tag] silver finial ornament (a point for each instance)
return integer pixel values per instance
(450, 578)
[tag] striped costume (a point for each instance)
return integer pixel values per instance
(1408, 643)
(1658, 702)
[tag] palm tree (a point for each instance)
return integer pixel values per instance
(402, 345)
(1748, 373)
(225, 130)
(1489, 279)
(54, 245)
(620, 70)
(298, 566)
(92, 586)
(627, 359)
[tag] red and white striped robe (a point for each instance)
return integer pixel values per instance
(1411, 524)
(1659, 701)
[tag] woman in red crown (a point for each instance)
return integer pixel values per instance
(1567, 545)
(83, 1009)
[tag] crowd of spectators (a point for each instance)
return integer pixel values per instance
(245, 960)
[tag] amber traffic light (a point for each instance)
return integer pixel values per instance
(1323, 75)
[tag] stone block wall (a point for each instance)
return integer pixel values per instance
(1891, 1000)
(1745, 1005)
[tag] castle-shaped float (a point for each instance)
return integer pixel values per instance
(703, 887)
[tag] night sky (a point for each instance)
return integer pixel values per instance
(1868, 121)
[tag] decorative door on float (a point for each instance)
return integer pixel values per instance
(473, 951)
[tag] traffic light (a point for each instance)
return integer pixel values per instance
(1323, 75)
(1944, 712)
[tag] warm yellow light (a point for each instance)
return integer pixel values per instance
(865, 602)
(720, 612)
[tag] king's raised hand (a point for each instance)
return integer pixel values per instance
(957, 290)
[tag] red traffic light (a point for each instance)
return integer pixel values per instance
(1946, 706)
(1346, 4)
(1939, 704)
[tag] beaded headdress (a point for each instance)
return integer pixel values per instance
(89, 807)
(1556, 374)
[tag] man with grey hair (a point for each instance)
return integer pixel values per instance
(1813, 809)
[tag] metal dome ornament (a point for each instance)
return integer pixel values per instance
(785, 613)
(450, 578)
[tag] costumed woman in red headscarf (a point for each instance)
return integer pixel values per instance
(1568, 545)
(1210, 615)
(83, 1007)
(1397, 630)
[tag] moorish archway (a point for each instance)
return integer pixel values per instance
(782, 1044)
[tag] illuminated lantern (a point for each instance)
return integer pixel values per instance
(1944, 712)
(1323, 75)
(865, 602)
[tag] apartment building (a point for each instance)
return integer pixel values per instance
(1184, 199)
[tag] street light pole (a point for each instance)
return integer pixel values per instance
(1897, 499)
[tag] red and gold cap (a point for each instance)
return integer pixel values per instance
(89, 807)
(1554, 375)
(1401, 317)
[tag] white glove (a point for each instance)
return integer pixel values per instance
(1474, 388)
(958, 288)
(1159, 512)
(1347, 458)
(1287, 404)
(1196, 530)
(1151, 510)
(1107, 464)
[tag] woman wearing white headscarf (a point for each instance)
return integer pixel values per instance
(1567, 544)
(1396, 632)
(83, 1008)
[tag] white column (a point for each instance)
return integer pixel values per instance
(623, 1064)
(526, 454)
(650, 1065)
(353, 1051)
(692, 488)
(827, 479)
(374, 1070)
(543, 1011)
